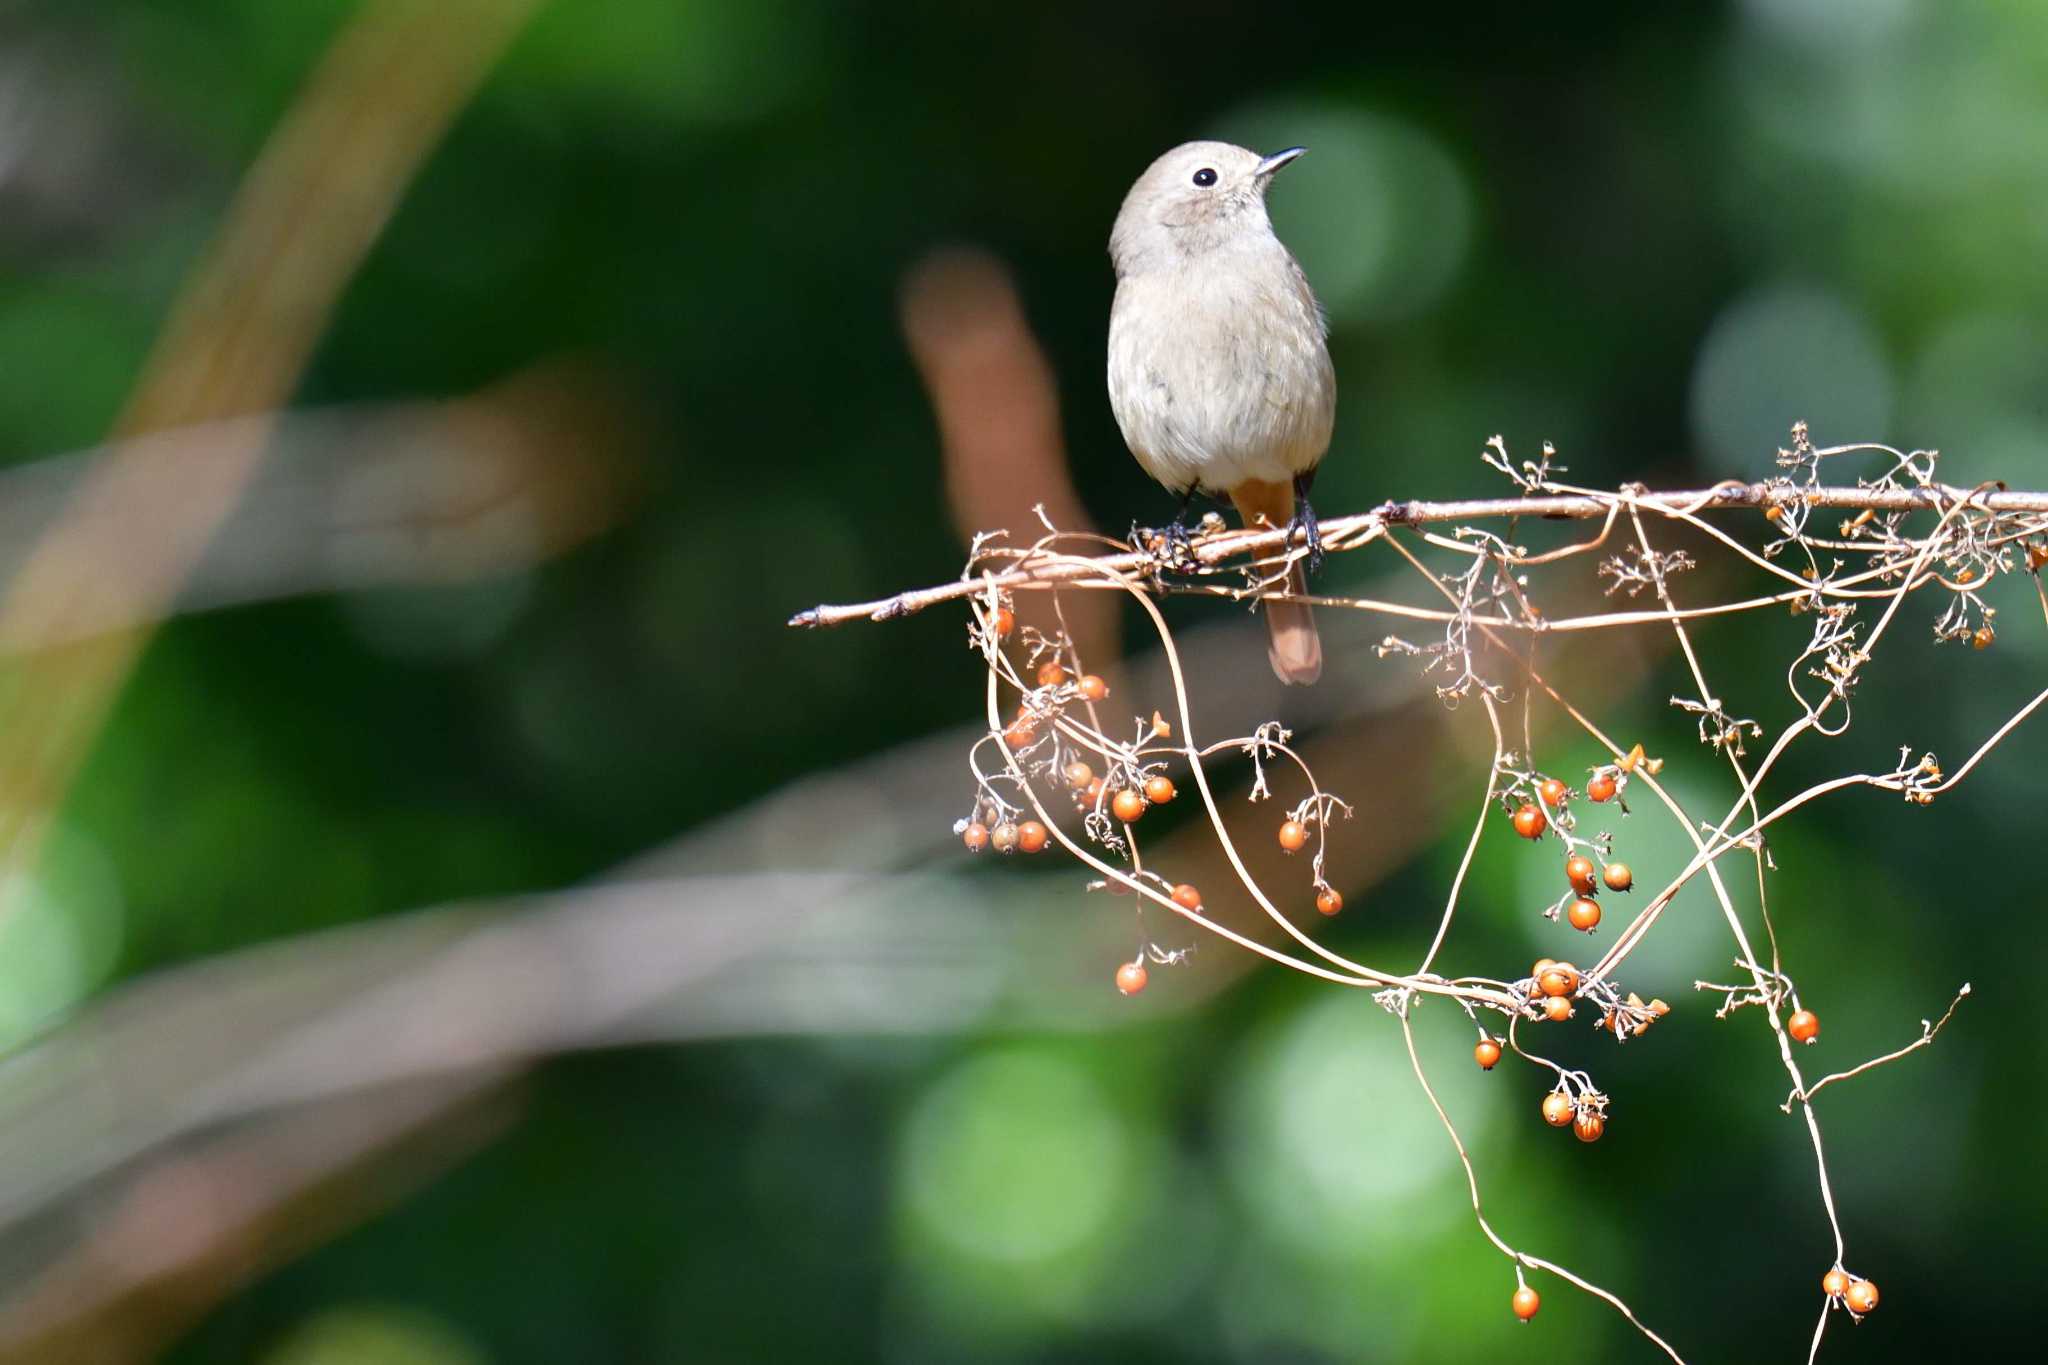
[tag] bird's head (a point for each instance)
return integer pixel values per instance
(1194, 199)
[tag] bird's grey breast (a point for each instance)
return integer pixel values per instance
(1218, 370)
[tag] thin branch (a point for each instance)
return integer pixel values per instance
(1927, 1032)
(1479, 1214)
(1359, 529)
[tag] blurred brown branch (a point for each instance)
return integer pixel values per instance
(191, 1224)
(287, 1067)
(997, 403)
(236, 343)
(365, 496)
(356, 1038)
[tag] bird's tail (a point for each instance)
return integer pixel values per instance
(1297, 651)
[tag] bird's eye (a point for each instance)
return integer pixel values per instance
(1205, 177)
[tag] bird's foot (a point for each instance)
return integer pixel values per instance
(1171, 546)
(1305, 522)
(1180, 544)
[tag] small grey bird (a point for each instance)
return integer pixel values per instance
(1218, 371)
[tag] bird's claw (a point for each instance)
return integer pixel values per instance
(1171, 546)
(1305, 522)
(1180, 544)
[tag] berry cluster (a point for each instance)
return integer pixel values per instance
(1858, 1296)
(1539, 804)
(1053, 742)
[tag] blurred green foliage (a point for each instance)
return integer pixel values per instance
(1652, 234)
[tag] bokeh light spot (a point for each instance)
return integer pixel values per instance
(1319, 1151)
(375, 1334)
(1014, 1157)
(1378, 213)
(1826, 25)
(1976, 392)
(60, 933)
(1783, 354)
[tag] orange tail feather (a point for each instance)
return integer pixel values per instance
(1297, 651)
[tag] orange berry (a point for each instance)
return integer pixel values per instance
(1128, 805)
(1525, 1303)
(1020, 735)
(1003, 838)
(1006, 620)
(1578, 870)
(1601, 788)
(1557, 1008)
(1617, 876)
(1293, 836)
(1079, 775)
(1557, 1109)
(1159, 790)
(1486, 1053)
(1186, 897)
(1861, 1296)
(1558, 979)
(1130, 978)
(1835, 1283)
(1530, 822)
(1804, 1026)
(1552, 791)
(1092, 687)
(1983, 637)
(1588, 1126)
(1093, 792)
(975, 837)
(1032, 836)
(1583, 914)
(1329, 902)
(1051, 675)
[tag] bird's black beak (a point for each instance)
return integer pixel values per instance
(1277, 160)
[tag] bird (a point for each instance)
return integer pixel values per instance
(1219, 363)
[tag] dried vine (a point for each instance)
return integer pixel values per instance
(1048, 744)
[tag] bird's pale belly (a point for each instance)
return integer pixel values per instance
(1217, 430)
(1214, 411)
